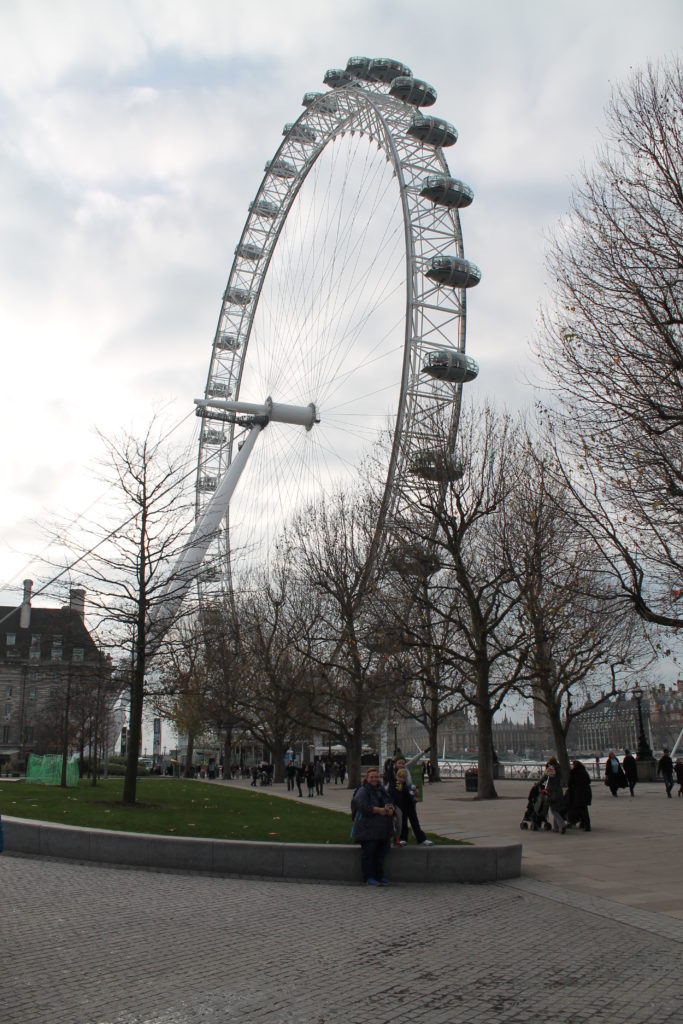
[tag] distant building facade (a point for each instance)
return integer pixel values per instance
(46, 657)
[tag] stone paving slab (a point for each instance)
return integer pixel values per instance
(631, 856)
(91, 944)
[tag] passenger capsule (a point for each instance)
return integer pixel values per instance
(454, 271)
(357, 67)
(442, 467)
(384, 69)
(451, 365)
(325, 103)
(414, 560)
(337, 79)
(281, 169)
(445, 191)
(433, 131)
(207, 483)
(299, 133)
(262, 208)
(227, 342)
(211, 436)
(238, 296)
(218, 389)
(247, 251)
(413, 91)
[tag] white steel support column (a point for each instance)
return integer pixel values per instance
(189, 560)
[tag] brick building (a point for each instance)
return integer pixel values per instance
(47, 657)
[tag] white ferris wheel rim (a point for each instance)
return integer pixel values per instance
(433, 317)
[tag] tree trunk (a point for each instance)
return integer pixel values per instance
(434, 739)
(227, 754)
(279, 748)
(560, 741)
(486, 789)
(354, 749)
(189, 756)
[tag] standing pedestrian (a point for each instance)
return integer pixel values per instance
(678, 768)
(579, 796)
(299, 777)
(319, 776)
(665, 768)
(310, 778)
(373, 826)
(556, 798)
(403, 796)
(630, 770)
(291, 776)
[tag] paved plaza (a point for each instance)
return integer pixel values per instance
(593, 931)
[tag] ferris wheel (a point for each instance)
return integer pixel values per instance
(343, 319)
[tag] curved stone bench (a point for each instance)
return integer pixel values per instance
(327, 862)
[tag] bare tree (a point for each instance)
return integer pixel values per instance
(278, 667)
(127, 571)
(465, 498)
(227, 671)
(580, 636)
(335, 557)
(612, 343)
(416, 635)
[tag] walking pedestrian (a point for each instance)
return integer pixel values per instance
(630, 770)
(665, 768)
(615, 777)
(299, 777)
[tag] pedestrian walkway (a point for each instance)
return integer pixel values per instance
(632, 856)
(591, 932)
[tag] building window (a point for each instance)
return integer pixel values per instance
(8, 691)
(56, 648)
(11, 639)
(28, 734)
(8, 710)
(34, 653)
(5, 734)
(77, 654)
(53, 691)
(31, 693)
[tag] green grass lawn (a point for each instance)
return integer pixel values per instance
(179, 807)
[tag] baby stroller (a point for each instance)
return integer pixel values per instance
(537, 807)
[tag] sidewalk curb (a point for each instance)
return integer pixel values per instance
(434, 864)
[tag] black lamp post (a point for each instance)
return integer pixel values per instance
(644, 751)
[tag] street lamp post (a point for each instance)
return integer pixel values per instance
(644, 756)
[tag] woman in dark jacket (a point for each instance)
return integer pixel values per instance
(579, 796)
(373, 826)
(614, 774)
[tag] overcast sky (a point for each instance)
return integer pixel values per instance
(133, 136)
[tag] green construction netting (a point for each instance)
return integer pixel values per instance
(48, 770)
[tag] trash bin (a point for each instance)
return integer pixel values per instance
(471, 780)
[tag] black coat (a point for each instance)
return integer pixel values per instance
(579, 793)
(630, 768)
(368, 825)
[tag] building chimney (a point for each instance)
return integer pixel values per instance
(77, 602)
(25, 612)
